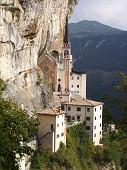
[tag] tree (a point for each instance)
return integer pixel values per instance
(107, 116)
(116, 142)
(16, 127)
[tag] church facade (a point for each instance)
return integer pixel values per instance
(58, 70)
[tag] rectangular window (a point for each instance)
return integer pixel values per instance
(62, 123)
(58, 136)
(100, 124)
(100, 132)
(72, 78)
(77, 91)
(94, 135)
(62, 107)
(77, 86)
(100, 107)
(57, 124)
(88, 118)
(51, 127)
(69, 108)
(88, 109)
(95, 117)
(78, 109)
(77, 78)
(62, 134)
(95, 109)
(72, 86)
(94, 127)
(100, 116)
(87, 127)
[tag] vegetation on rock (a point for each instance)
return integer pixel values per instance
(16, 127)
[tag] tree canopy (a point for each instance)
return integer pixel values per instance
(16, 127)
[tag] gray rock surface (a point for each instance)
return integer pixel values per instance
(28, 28)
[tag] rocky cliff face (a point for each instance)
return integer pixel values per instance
(29, 28)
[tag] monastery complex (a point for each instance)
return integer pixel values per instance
(70, 106)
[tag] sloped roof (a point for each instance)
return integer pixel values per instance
(83, 102)
(52, 111)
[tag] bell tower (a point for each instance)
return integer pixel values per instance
(66, 56)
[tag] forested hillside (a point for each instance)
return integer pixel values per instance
(101, 52)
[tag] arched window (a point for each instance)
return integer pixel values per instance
(78, 118)
(66, 52)
(59, 88)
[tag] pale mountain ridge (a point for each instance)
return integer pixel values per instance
(86, 27)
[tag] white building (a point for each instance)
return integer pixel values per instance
(68, 83)
(52, 129)
(78, 83)
(90, 113)
(58, 70)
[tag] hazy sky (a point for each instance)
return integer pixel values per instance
(109, 12)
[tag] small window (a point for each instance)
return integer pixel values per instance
(62, 123)
(88, 109)
(88, 118)
(95, 117)
(72, 78)
(78, 118)
(100, 124)
(51, 127)
(100, 132)
(87, 127)
(94, 127)
(72, 86)
(57, 124)
(78, 109)
(77, 91)
(69, 108)
(94, 135)
(100, 108)
(100, 116)
(59, 80)
(57, 116)
(58, 136)
(62, 108)
(68, 118)
(95, 109)
(77, 86)
(77, 78)
(62, 134)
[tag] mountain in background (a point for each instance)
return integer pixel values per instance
(91, 28)
(101, 52)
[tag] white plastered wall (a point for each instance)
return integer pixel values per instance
(97, 124)
(60, 130)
